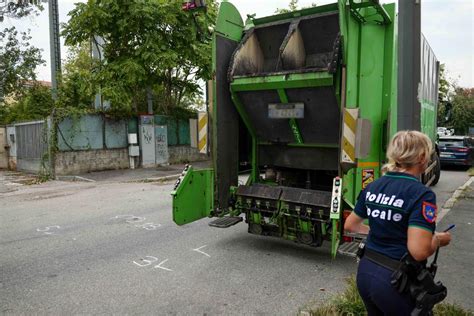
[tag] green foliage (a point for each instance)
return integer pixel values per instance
(19, 9)
(18, 61)
(148, 44)
(77, 88)
(292, 6)
(34, 104)
(350, 303)
(447, 309)
(462, 111)
(445, 86)
(456, 105)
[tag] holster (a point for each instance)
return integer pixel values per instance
(415, 278)
(360, 250)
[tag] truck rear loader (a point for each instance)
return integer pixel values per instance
(306, 102)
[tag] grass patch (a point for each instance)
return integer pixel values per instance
(350, 303)
(470, 172)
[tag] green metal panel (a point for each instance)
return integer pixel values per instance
(371, 77)
(229, 22)
(193, 199)
(293, 125)
(288, 81)
(178, 130)
(428, 118)
(133, 125)
(389, 78)
(224, 129)
(184, 132)
(370, 93)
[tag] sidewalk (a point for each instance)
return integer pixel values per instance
(11, 180)
(135, 175)
(456, 261)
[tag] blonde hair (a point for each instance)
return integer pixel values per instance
(406, 149)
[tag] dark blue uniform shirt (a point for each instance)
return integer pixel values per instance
(393, 203)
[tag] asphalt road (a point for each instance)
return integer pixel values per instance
(92, 248)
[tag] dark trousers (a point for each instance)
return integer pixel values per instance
(380, 298)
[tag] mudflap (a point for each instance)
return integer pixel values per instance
(193, 195)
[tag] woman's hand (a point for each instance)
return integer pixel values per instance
(422, 243)
(355, 224)
(442, 239)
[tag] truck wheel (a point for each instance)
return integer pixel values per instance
(437, 170)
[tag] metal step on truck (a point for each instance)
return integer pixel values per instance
(306, 102)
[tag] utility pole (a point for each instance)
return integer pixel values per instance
(55, 52)
(54, 46)
(409, 60)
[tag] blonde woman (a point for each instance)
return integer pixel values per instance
(402, 218)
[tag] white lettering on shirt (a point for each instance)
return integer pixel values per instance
(382, 199)
(397, 217)
(398, 203)
(384, 215)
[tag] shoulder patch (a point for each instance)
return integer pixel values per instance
(429, 212)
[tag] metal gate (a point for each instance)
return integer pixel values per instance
(31, 142)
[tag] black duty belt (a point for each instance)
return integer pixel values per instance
(381, 259)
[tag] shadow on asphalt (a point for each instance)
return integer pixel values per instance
(268, 246)
(454, 168)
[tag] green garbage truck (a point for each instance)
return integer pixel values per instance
(306, 103)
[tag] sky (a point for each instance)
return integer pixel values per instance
(448, 26)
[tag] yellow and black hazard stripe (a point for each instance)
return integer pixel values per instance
(202, 132)
(349, 136)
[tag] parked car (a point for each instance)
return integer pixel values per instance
(456, 150)
(443, 131)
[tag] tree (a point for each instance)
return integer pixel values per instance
(77, 88)
(444, 88)
(35, 103)
(18, 61)
(292, 6)
(148, 44)
(462, 110)
(18, 9)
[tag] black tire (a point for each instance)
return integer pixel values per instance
(437, 170)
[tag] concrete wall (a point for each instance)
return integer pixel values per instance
(3, 148)
(182, 154)
(83, 161)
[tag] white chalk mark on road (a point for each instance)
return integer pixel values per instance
(146, 261)
(163, 268)
(202, 252)
(47, 230)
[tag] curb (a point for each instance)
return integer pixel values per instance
(73, 179)
(454, 198)
(157, 179)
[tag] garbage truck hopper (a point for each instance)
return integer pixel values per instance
(307, 102)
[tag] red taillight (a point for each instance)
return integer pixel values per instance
(346, 214)
(347, 239)
(462, 149)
